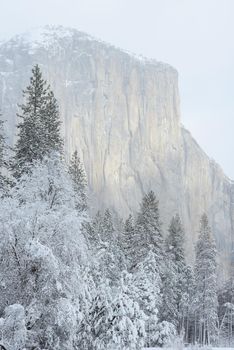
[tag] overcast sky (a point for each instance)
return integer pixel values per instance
(195, 36)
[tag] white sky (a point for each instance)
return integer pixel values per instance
(195, 36)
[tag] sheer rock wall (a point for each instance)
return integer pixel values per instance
(122, 114)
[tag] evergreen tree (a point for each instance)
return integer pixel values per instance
(3, 163)
(169, 309)
(39, 129)
(114, 321)
(205, 285)
(126, 322)
(105, 247)
(51, 124)
(101, 228)
(107, 233)
(173, 279)
(2, 145)
(97, 227)
(110, 255)
(145, 247)
(107, 250)
(146, 290)
(78, 176)
(175, 243)
(148, 233)
(91, 231)
(226, 313)
(127, 239)
(187, 314)
(93, 328)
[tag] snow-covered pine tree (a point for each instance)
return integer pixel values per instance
(148, 232)
(78, 176)
(175, 243)
(145, 249)
(110, 255)
(84, 334)
(187, 314)
(91, 235)
(104, 245)
(93, 328)
(107, 233)
(226, 313)
(51, 124)
(39, 128)
(2, 144)
(169, 307)
(205, 285)
(126, 322)
(3, 163)
(93, 230)
(115, 320)
(126, 239)
(145, 287)
(173, 279)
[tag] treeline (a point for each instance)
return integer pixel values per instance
(72, 281)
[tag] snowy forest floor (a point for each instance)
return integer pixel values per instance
(191, 348)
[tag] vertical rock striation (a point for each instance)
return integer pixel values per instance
(122, 114)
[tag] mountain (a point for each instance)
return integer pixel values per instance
(122, 113)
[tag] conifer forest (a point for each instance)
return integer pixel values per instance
(74, 279)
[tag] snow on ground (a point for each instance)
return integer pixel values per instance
(190, 348)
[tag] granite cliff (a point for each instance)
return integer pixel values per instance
(122, 113)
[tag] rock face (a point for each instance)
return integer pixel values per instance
(122, 114)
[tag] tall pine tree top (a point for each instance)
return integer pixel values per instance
(175, 241)
(205, 264)
(78, 176)
(3, 163)
(108, 227)
(127, 235)
(39, 129)
(205, 247)
(51, 124)
(2, 144)
(148, 228)
(206, 283)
